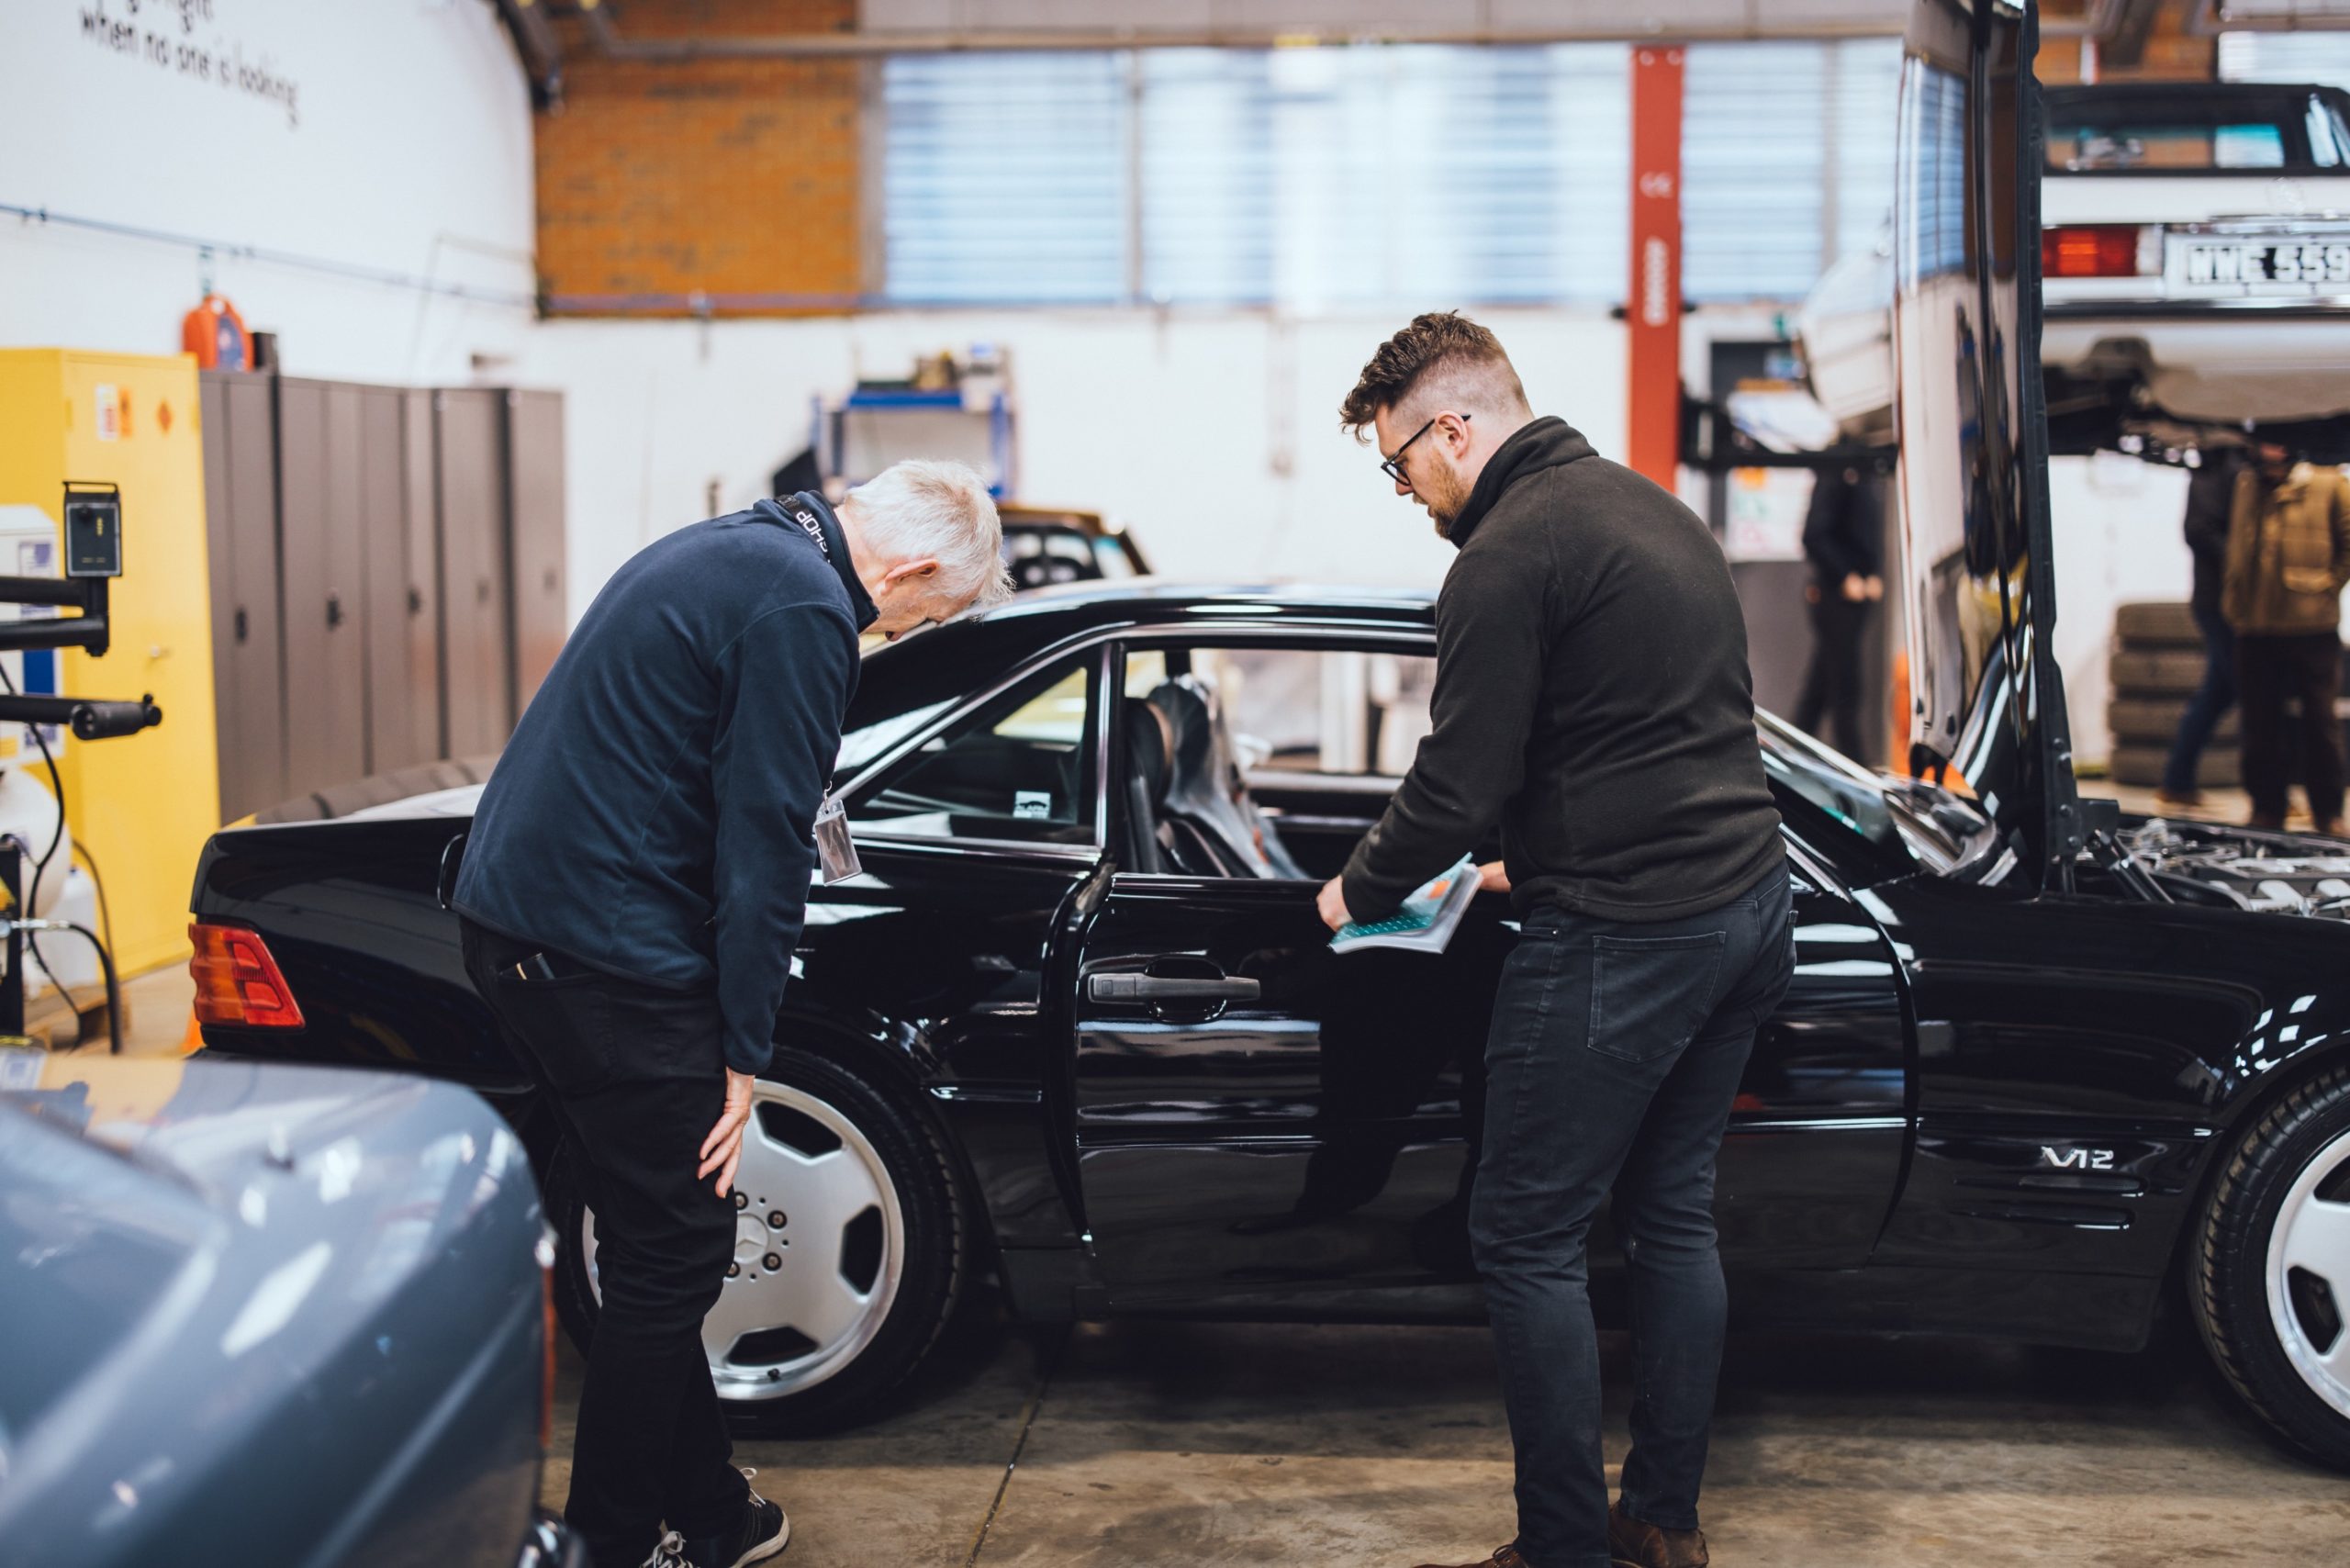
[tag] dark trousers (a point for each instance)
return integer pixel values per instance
(2268, 670)
(1614, 1054)
(2208, 705)
(639, 1079)
(1831, 685)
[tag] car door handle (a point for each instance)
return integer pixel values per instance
(1172, 988)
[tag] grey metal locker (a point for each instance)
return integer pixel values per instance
(241, 496)
(476, 674)
(535, 512)
(220, 556)
(322, 565)
(428, 729)
(395, 518)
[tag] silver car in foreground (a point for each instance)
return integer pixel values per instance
(264, 1315)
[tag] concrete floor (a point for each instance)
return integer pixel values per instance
(1141, 1445)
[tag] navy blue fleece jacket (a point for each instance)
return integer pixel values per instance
(653, 816)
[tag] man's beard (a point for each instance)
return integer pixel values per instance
(1445, 498)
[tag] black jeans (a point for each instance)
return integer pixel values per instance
(2210, 703)
(1832, 683)
(640, 1079)
(1616, 1052)
(2268, 670)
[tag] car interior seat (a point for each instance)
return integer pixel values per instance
(1210, 820)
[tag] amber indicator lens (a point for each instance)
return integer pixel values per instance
(237, 982)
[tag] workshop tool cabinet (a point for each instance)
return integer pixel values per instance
(143, 804)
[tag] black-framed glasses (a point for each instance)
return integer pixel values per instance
(1392, 464)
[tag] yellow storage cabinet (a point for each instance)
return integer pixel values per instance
(144, 804)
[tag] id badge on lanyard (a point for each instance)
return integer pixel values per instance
(835, 851)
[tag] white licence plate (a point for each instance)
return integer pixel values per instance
(2300, 264)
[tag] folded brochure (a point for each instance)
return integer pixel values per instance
(1424, 924)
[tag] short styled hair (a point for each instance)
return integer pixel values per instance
(918, 508)
(1442, 355)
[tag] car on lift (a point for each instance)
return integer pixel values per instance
(2196, 249)
(2044, 1071)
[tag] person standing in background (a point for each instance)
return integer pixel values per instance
(2288, 557)
(1843, 539)
(2210, 496)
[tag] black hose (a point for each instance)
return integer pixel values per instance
(32, 900)
(98, 880)
(114, 991)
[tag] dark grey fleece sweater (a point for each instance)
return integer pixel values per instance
(1592, 696)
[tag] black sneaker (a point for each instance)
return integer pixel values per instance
(764, 1531)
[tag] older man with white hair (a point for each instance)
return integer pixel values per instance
(630, 893)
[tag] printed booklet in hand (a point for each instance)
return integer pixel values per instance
(1424, 924)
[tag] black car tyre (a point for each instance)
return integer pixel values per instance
(2269, 1275)
(850, 1256)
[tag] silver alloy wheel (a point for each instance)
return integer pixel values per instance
(2312, 1236)
(814, 1208)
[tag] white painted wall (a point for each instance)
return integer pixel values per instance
(398, 139)
(1213, 435)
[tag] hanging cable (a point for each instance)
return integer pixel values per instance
(25, 917)
(97, 881)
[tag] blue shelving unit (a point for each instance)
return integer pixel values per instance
(857, 436)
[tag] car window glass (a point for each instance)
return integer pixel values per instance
(1110, 557)
(2325, 150)
(1015, 770)
(1326, 711)
(2087, 135)
(862, 744)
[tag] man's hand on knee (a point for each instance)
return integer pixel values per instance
(723, 1150)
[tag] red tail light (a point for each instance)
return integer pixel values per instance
(2097, 249)
(237, 982)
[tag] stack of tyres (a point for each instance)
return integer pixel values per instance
(2157, 664)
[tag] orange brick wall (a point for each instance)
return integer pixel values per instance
(2174, 54)
(727, 178)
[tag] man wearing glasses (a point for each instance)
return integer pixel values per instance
(1593, 699)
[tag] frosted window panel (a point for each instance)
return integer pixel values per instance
(1005, 178)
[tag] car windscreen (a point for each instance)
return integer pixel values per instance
(2293, 130)
(1906, 822)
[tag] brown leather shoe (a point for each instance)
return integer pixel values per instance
(1502, 1557)
(1636, 1543)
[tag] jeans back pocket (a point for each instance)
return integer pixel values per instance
(1649, 995)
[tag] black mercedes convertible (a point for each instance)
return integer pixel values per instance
(2045, 1071)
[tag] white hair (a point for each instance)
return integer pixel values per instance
(918, 509)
